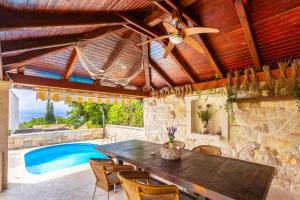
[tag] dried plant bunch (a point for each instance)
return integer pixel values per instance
(245, 83)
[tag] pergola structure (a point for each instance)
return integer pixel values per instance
(38, 38)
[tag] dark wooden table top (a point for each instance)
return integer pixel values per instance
(211, 176)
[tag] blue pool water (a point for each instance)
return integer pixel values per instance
(48, 159)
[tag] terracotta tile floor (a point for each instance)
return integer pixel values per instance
(75, 183)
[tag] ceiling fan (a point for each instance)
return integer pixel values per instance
(177, 35)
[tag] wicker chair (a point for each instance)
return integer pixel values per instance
(135, 189)
(176, 143)
(105, 172)
(208, 149)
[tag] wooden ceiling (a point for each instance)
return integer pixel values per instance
(39, 36)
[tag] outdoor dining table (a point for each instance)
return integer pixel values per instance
(214, 177)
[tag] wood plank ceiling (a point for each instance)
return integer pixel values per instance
(40, 35)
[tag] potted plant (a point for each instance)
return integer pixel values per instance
(205, 115)
(171, 135)
(170, 151)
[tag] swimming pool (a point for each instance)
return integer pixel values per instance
(48, 159)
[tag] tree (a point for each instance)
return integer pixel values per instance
(117, 114)
(49, 116)
(127, 115)
(87, 113)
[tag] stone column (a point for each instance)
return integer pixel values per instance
(4, 109)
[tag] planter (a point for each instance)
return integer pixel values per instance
(204, 128)
(170, 153)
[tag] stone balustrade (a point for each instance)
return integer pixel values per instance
(122, 133)
(17, 141)
(42, 138)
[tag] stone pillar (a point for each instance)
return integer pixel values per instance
(4, 109)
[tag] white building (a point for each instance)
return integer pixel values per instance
(13, 111)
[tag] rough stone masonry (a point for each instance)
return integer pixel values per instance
(264, 132)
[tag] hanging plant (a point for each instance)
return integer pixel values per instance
(297, 96)
(229, 105)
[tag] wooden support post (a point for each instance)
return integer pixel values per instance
(1, 171)
(146, 62)
(1, 64)
(4, 102)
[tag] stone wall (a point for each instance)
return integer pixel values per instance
(18, 141)
(122, 133)
(264, 132)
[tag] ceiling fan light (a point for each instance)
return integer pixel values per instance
(176, 39)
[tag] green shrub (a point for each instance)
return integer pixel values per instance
(31, 123)
(127, 115)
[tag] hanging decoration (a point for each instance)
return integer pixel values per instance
(267, 88)
(110, 58)
(179, 91)
(250, 87)
(68, 97)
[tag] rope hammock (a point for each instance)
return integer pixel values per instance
(110, 58)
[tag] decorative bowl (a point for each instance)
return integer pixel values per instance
(170, 153)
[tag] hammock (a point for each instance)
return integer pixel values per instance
(110, 58)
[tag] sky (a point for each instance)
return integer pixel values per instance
(29, 104)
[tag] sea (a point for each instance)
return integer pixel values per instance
(25, 117)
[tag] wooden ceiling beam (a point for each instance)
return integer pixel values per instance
(15, 20)
(18, 46)
(188, 16)
(97, 82)
(40, 48)
(28, 57)
(70, 66)
(137, 30)
(145, 49)
(193, 22)
(34, 81)
(246, 26)
(174, 55)
(161, 73)
(100, 32)
(157, 16)
(136, 23)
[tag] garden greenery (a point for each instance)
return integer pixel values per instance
(229, 105)
(297, 96)
(90, 115)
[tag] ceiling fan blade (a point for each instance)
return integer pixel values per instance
(193, 43)
(170, 28)
(157, 38)
(169, 49)
(197, 30)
